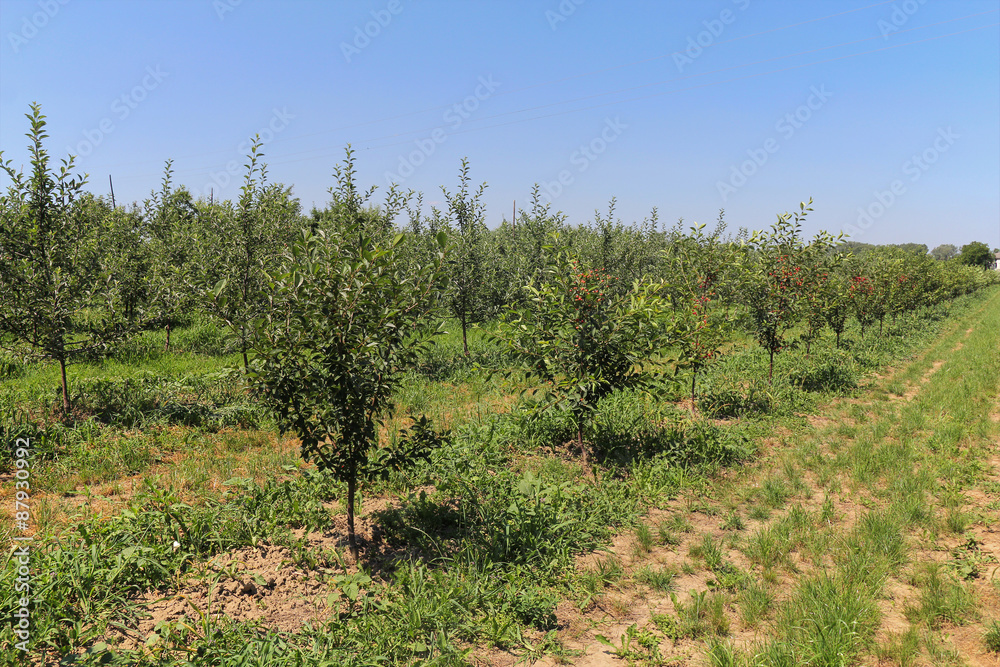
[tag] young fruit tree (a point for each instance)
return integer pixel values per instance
(60, 299)
(836, 302)
(583, 340)
(818, 265)
(775, 280)
(172, 230)
(695, 263)
(241, 247)
(347, 317)
(469, 278)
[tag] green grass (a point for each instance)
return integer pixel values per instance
(943, 598)
(991, 638)
(660, 579)
(703, 614)
(902, 648)
(644, 538)
(755, 603)
(484, 537)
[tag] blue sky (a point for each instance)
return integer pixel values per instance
(886, 113)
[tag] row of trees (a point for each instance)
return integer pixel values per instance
(86, 274)
(976, 253)
(329, 309)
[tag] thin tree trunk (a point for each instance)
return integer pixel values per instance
(166, 347)
(838, 339)
(65, 388)
(694, 377)
(579, 441)
(352, 485)
(246, 363)
(770, 371)
(465, 339)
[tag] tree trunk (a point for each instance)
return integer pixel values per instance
(838, 339)
(65, 388)
(246, 363)
(579, 441)
(352, 486)
(166, 347)
(770, 370)
(694, 377)
(465, 339)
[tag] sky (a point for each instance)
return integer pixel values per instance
(886, 114)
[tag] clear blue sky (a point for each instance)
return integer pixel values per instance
(887, 108)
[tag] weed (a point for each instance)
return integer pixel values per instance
(723, 654)
(666, 535)
(942, 598)
(769, 546)
(644, 538)
(608, 572)
(902, 648)
(668, 625)
(754, 602)
(728, 577)
(968, 559)
(775, 492)
(709, 551)
(704, 614)
(828, 621)
(956, 521)
(827, 514)
(678, 523)
(661, 579)
(637, 644)
(992, 637)
(733, 522)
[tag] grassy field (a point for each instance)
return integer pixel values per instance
(846, 514)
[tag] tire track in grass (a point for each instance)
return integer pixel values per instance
(965, 444)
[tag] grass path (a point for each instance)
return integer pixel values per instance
(869, 536)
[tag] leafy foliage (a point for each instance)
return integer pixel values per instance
(583, 340)
(240, 250)
(344, 323)
(60, 297)
(774, 282)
